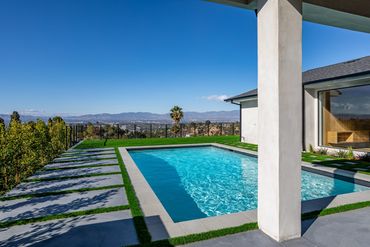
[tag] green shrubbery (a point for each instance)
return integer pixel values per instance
(26, 147)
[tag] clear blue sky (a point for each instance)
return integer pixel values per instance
(86, 56)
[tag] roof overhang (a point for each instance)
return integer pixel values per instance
(348, 14)
(238, 101)
(348, 81)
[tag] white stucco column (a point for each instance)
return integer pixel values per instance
(279, 117)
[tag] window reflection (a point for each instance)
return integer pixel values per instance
(346, 117)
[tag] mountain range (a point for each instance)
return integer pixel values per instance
(145, 117)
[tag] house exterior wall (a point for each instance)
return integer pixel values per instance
(311, 119)
(249, 120)
(311, 113)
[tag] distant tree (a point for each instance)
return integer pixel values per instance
(15, 117)
(176, 114)
(208, 123)
(193, 125)
(50, 122)
(90, 131)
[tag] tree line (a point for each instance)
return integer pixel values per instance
(26, 147)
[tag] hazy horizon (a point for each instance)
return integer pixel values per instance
(92, 56)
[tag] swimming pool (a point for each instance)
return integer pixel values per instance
(198, 182)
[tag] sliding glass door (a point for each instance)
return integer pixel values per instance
(345, 117)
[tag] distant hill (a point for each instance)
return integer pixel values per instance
(130, 117)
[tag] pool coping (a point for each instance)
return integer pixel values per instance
(154, 210)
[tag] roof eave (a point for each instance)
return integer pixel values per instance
(352, 15)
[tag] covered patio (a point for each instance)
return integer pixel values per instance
(280, 99)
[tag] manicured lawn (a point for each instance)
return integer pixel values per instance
(157, 141)
(326, 160)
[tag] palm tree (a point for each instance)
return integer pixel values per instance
(176, 114)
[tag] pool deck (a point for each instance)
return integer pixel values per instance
(340, 230)
(161, 225)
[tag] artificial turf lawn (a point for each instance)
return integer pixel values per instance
(324, 160)
(137, 214)
(157, 141)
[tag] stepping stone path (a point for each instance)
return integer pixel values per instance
(73, 164)
(50, 174)
(79, 180)
(337, 164)
(80, 158)
(77, 154)
(66, 184)
(361, 169)
(351, 163)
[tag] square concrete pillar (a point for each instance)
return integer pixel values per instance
(279, 117)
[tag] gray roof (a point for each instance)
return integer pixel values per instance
(248, 94)
(340, 70)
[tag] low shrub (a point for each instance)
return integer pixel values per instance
(342, 154)
(350, 154)
(322, 151)
(311, 149)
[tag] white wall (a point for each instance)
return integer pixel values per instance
(311, 118)
(249, 121)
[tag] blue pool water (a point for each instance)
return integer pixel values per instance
(198, 182)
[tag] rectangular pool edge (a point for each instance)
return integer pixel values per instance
(152, 207)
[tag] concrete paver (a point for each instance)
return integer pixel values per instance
(65, 184)
(27, 208)
(340, 230)
(81, 158)
(48, 174)
(107, 229)
(78, 154)
(88, 150)
(82, 163)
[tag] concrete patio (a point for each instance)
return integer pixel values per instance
(340, 230)
(59, 189)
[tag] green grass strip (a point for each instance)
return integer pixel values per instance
(62, 216)
(96, 143)
(72, 177)
(53, 193)
(335, 210)
(212, 234)
(137, 214)
(203, 236)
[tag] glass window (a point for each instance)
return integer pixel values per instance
(345, 117)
